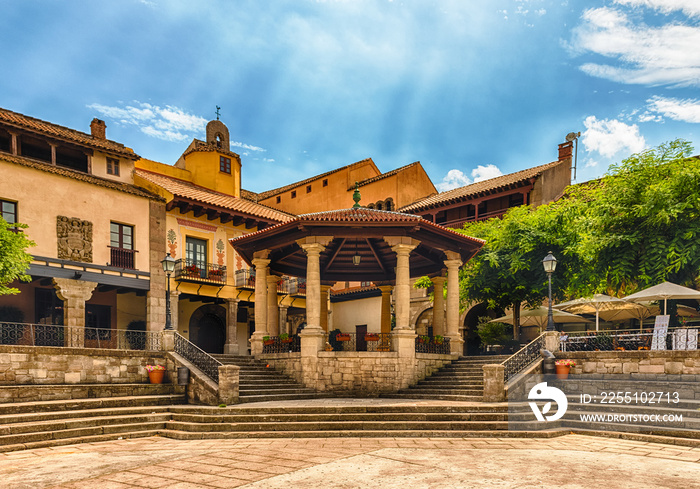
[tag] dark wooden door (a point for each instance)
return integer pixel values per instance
(360, 332)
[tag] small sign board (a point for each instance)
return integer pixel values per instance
(658, 340)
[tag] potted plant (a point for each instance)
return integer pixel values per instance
(438, 340)
(155, 373)
(268, 341)
(192, 270)
(284, 338)
(216, 274)
(563, 367)
(371, 337)
(424, 339)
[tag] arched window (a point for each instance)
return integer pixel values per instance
(380, 205)
(370, 206)
(389, 204)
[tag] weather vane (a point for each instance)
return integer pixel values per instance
(217, 112)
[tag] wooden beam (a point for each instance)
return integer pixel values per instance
(199, 211)
(376, 255)
(332, 258)
(250, 223)
(213, 214)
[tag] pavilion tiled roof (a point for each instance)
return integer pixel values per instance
(188, 190)
(269, 193)
(354, 290)
(64, 133)
(475, 189)
(78, 175)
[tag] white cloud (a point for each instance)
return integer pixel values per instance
(610, 136)
(247, 146)
(640, 54)
(168, 123)
(481, 173)
(456, 178)
(688, 7)
(687, 110)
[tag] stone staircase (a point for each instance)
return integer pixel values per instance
(67, 414)
(258, 382)
(461, 380)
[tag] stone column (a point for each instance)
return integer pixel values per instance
(155, 297)
(439, 306)
(453, 263)
(552, 341)
(231, 345)
(273, 327)
(229, 383)
(260, 262)
(74, 294)
(402, 291)
(175, 309)
(494, 383)
(385, 320)
(283, 327)
(324, 307)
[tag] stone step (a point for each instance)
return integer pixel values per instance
(80, 439)
(275, 397)
(90, 403)
(398, 408)
(71, 424)
(46, 392)
(427, 389)
(34, 437)
(451, 383)
(332, 417)
(434, 396)
(254, 391)
(35, 417)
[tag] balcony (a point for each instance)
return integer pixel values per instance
(198, 272)
(122, 258)
(245, 279)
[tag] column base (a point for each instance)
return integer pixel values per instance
(456, 345)
(256, 343)
(231, 349)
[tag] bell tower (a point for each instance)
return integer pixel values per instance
(217, 135)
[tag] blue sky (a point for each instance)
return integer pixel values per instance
(471, 88)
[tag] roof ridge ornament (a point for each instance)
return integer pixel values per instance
(356, 196)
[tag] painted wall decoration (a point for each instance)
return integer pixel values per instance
(172, 242)
(74, 239)
(220, 252)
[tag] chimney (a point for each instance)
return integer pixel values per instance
(565, 150)
(98, 129)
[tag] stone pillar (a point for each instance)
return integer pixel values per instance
(229, 383)
(324, 307)
(74, 294)
(175, 309)
(313, 248)
(231, 345)
(402, 291)
(260, 262)
(168, 343)
(494, 383)
(155, 297)
(439, 306)
(551, 341)
(273, 327)
(453, 263)
(385, 321)
(283, 328)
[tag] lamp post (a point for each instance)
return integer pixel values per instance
(168, 264)
(550, 264)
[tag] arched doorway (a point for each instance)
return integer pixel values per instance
(424, 323)
(208, 328)
(472, 342)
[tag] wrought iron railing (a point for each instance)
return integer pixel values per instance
(372, 342)
(122, 258)
(433, 344)
(195, 271)
(27, 334)
(275, 344)
(523, 358)
(198, 357)
(675, 339)
(245, 278)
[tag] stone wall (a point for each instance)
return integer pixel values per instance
(50, 365)
(634, 362)
(357, 373)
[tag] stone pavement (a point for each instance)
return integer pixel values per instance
(569, 461)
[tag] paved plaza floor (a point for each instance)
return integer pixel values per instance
(569, 461)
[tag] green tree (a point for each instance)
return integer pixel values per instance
(14, 259)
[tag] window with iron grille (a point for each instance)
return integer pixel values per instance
(121, 242)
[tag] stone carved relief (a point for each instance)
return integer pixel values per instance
(74, 239)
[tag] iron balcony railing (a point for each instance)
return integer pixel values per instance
(676, 339)
(195, 271)
(523, 358)
(245, 279)
(433, 344)
(275, 344)
(122, 258)
(28, 334)
(198, 357)
(373, 342)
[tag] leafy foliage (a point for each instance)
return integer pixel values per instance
(493, 333)
(14, 260)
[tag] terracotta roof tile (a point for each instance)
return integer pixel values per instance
(77, 175)
(269, 193)
(203, 147)
(249, 195)
(361, 214)
(181, 188)
(60, 132)
(354, 290)
(463, 193)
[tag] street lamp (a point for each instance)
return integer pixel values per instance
(168, 264)
(550, 264)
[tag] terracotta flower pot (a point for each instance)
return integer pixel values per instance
(156, 376)
(562, 371)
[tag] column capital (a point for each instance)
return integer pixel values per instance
(312, 248)
(272, 279)
(452, 264)
(453, 255)
(230, 300)
(70, 289)
(315, 240)
(386, 289)
(439, 281)
(263, 254)
(400, 240)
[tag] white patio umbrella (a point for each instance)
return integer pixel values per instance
(641, 311)
(665, 291)
(592, 305)
(538, 317)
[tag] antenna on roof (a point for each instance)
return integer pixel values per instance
(573, 136)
